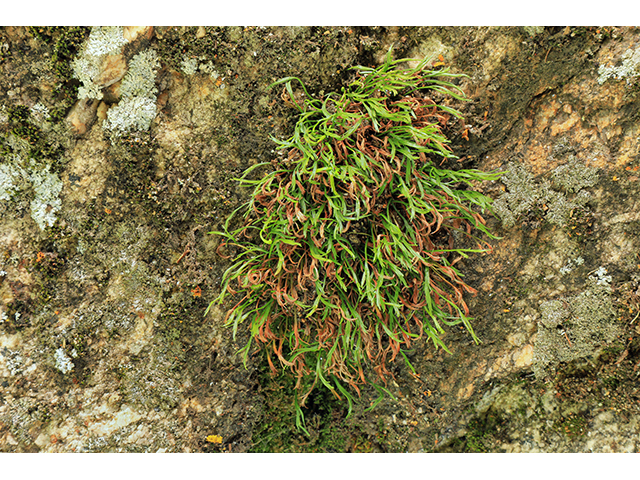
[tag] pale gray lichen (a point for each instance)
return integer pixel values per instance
(11, 176)
(137, 108)
(522, 195)
(561, 206)
(525, 194)
(46, 203)
(575, 327)
(86, 69)
(533, 31)
(553, 313)
(140, 78)
(131, 114)
(630, 67)
(63, 362)
(102, 41)
(105, 41)
(189, 66)
(40, 112)
(15, 176)
(573, 176)
(571, 264)
(603, 278)
(13, 361)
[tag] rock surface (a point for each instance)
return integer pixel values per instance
(103, 343)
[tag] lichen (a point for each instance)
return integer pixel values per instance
(13, 361)
(40, 112)
(10, 177)
(629, 69)
(131, 114)
(63, 362)
(603, 278)
(105, 41)
(571, 264)
(525, 194)
(46, 203)
(575, 327)
(14, 177)
(189, 66)
(561, 206)
(86, 68)
(140, 78)
(573, 176)
(137, 108)
(533, 31)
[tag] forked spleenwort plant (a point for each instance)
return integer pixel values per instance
(346, 251)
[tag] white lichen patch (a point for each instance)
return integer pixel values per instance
(16, 177)
(87, 67)
(63, 362)
(533, 31)
(571, 264)
(137, 109)
(40, 113)
(46, 203)
(11, 176)
(140, 78)
(601, 277)
(131, 114)
(13, 361)
(629, 69)
(105, 41)
(189, 66)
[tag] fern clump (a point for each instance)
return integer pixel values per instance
(346, 251)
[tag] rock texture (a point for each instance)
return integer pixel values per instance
(107, 267)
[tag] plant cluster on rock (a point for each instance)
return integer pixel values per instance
(347, 250)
